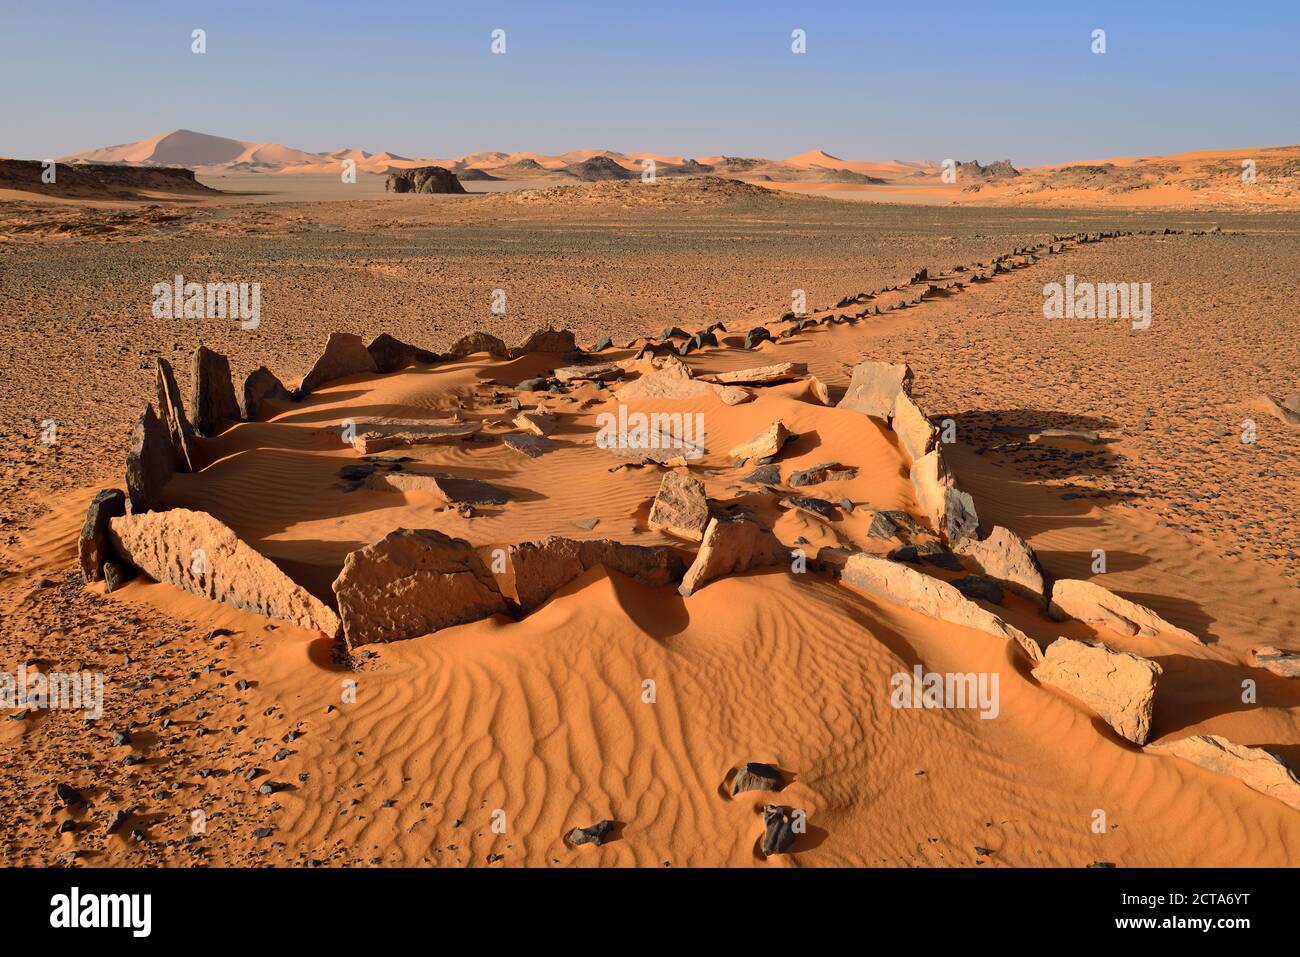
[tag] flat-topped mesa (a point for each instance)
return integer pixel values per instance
(199, 554)
(212, 396)
(345, 355)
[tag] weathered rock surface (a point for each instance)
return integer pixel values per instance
(592, 834)
(1091, 603)
(769, 474)
(674, 381)
(950, 510)
(929, 596)
(680, 508)
(1256, 768)
(755, 776)
(778, 830)
(171, 410)
(375, 437)
(1007, 557)
(875, 386)
(345, 354)
(533, 446)
(763, 375)
(390, 353)
(1119, 686)
(603, 372)
(93, 547)
(423, 179)
(537, 570)
(764, 445)
(731, 545)
(538, 423)
(197, 553)
(261, 385)
(212, 398)
(979, 587)
(915, 432)
(412, 582)
(150, 462)
(558, 341)
(813, 506)
(477, 342)
(825, 472)
(1283, 663)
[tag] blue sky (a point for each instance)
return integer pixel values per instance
(981, 79)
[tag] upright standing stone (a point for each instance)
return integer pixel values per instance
(150, 463)
(261, 384)
(93, 548)
(172, 411)
(213, 397)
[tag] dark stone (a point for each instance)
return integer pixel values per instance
(150, 462)
(212, 399)
(390, 353)
(979, 587)
(68, 794)
(756, 335)
(826, 472)
(172, 412)
(769, 474)
(606, 343)
(358, 471)
(261, 385)
(534, 385)
(479, 342)
(592, 834)
(93, 548)
(423, 179)
(754, 776)
(806, 503)
(117, 574)
(778, 830)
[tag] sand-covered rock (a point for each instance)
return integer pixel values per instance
(823, 472)
(261, 385)
(778, 830)
(373, 437)
(950, 510)
(533, 446)
(556, 341)
(1091, 603)
(730, 546)
(410, 583)
(150, 462)
(875, 386)
(345, 354)
(680, 508)
(476, 342)
(916, 434)
(601, 371)
(1256, 768)
(538, 423)
(1119, 686)
(537, 570)
(1281, 662)
(1007, 557)
(764, 445)
(93, 548)
(391, 353)
(763, 375)
(452, 490)
(171, 410)
(756, 776)
(199, 554)
(937, 599)
(673, 381)
(212, 398)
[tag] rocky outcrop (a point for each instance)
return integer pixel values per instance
(1120, 687)
(950, 510)
(915, 432)
(928, 596)
(391, 354)
(731, 545)
(476, 342)
(197, 553)
(1091, 603)
(171, 410)
(680, 508)
(764, 445)
(1256, 768)
(1007, 557)
(410, 583)
(537, 570)
(1283, 663)
(345, 354)
(824, 472)
(673, 381)
(212, 398)
(150, 462)
(560, 342)
(262, 385)
(875, 386)
(93, 547)
(763, 375)
(423, 179)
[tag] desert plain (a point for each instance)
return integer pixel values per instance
(487, 742)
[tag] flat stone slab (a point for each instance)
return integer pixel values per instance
(372, 437)
(1089, 602)
(763, 375)
(533, 446)
(1256, 768)
(1119, 686)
